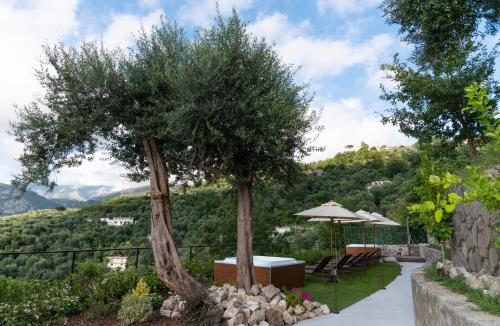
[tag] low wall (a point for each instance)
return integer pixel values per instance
(402, 249)
(435, 305)
(430, 254)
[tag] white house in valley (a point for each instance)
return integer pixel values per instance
(115, 262)
(117, 221)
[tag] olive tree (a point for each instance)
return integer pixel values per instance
(122, 104)
(246, 118)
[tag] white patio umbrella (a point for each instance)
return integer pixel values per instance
(365, 217)
(329, 212)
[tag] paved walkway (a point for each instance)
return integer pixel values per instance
(390, 307)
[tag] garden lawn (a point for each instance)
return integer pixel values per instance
(352, 287)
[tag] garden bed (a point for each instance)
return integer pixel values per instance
(156, 320)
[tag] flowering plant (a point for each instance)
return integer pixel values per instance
(296, 296)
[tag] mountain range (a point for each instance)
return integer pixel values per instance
(38, 197)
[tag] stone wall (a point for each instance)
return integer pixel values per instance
(473, 238)
(401, 249)
(435, 305)
(430, 254)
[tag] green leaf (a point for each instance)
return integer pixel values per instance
(454, 198)
(449, 208)
(434, 179)
(438, 215)
(429, 205)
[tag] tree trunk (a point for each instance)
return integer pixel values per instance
(472, 148)
(246, 275)
(168, 264)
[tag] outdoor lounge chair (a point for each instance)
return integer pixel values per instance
(332, 275)
(320, 266)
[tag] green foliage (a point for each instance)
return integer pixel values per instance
(135, 309)
(114, 285)
(459, 285)
(36, 302)
(253, 121)
(448, 55)
(141, 288)
(293, 297)
(201, 269)
(156, 300)
(310, 256)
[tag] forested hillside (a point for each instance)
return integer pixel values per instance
(206, 214)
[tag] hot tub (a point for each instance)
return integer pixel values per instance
(278, 271)
(357, 248)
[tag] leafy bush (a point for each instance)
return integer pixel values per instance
(36, 302)
(135, 309)
(309, 256)
(141, 288)
(202, 270)
(150, 276)
(296, 296)
(156, 300)
(114, 285)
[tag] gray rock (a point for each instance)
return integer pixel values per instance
(242, 292)
(494, 289)
(281, 305)
(275, 300)
(256, 317)
(165, 312)
(270, 291)
(214, 297)
(263, 323)
(255, 289)
(304, 316)
(311, 314)
(299, 309)
(175, 314)
(288, 318)
(273, 317)
(252, 305)
(318, 312)
(439, 265)
(230, 313)
(456, 271)
(308, 305)
(213, 288)
(236, 320)
(290, 309)
(324, 309)
(487, 280)
(223, 293)
(246, 312)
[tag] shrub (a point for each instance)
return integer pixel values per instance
(202, 270)
(135, 309)
(150, 276)
(310, 257)
(141, 288)
(36, 302)
(296, 296)
(114, 285)
(156, 300)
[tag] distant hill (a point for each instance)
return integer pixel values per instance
(12, 202)
(38, 197)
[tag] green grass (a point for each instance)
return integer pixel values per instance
(484, 302)
(352, 286)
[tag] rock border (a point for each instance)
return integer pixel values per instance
(435, 305)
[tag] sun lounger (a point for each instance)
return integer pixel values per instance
(320, 266)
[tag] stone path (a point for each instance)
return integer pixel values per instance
(390, 307)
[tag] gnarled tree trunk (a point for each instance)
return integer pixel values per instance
(168, 264)
(244, 252)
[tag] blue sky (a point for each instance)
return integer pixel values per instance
(338, 45)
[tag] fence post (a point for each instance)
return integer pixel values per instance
(136, 258)
(190, 253)
(73, 258)
(272, 248)
(319, 245)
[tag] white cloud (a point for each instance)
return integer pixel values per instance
(23, 31)
(346, 6)
(346, 122)
(123, 26)
(202, 12)
(148, 3)
(319, 57)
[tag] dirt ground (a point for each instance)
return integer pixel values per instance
(156, 320)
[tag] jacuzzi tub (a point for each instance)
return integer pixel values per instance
(279, 271)
(357, 248)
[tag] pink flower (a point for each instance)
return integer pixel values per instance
(306, 296)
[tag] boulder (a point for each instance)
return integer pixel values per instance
(304, 316)
(494, 289)
(255, 289)
(214, 297)
(311, 315)
(299, 309)
(456, 271)
(275, 300)
(439, 265)
(230, 313)
(308, 305)
(288, 318)
(263, 323)
(236, 320)
(165, 312)
(256, 317)
(270, 291)
(175, 314)
(324, 309)
(318, 312)
(247, 313)
(273, 317)
(281, 305)
(487, 280)
(252, 305)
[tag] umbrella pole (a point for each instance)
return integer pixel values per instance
(331, 237)
(383, 262)
(364, 240)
